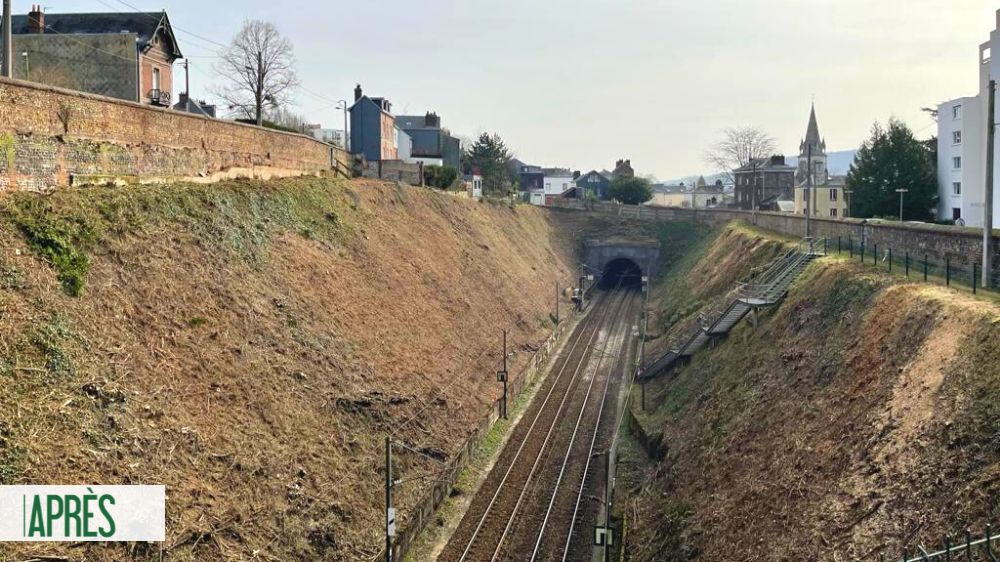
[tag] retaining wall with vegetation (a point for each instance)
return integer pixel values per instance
(50, 137)
(960, 245)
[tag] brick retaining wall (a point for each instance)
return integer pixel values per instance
(50, 137)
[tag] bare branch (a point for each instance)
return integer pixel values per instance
(259, 68)
(738, 146)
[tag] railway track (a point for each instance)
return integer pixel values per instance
(530, 494)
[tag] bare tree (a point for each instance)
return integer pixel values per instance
(738, 146)
(259, 68)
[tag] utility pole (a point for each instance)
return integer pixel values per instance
(557, 303)
(390, 512)
(607, 505)
(901, 191)
(988, 203)
(187, 80)
(260, 90)
(502, 375)
(809, 184)
(347, 138)
(8, 47)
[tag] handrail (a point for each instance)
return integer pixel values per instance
(768, 284)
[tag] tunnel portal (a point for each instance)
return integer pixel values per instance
(621, 259)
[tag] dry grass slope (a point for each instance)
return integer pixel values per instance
(248, 345)
(861, 414)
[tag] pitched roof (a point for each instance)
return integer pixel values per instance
(771, 164)
(144, 24)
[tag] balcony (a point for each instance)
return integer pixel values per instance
(159, 97)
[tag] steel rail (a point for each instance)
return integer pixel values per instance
(591, 328)
(584, 360)
(590, 449)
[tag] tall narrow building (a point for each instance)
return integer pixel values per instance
(812, 154)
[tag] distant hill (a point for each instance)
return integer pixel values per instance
(838, 163)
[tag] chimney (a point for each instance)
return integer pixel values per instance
(357, 92)
(36, 19)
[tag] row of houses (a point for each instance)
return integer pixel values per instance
(541, 186)
(379, 136)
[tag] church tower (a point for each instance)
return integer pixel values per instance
(812, 154)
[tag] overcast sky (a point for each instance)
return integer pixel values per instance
(579, 83)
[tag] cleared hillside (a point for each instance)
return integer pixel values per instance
(861, 414)
(249, 344)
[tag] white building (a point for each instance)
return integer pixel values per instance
(961, 160)
(331, 136)
(558, 183)
(962, 146)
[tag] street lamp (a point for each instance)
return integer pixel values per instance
(342, 104)
(901, 192)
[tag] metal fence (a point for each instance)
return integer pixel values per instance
(958, 272)
(967, 549)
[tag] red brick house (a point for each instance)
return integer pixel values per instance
(123, 55)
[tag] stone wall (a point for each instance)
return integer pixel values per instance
(395, 170)
(51, 137)
(962, 245)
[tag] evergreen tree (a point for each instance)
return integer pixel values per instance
(490, 155)
(631, 191)
(892, 158)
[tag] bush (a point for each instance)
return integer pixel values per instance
(631, 191)
(441, 177)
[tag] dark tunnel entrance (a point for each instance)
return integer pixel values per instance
(623, 273)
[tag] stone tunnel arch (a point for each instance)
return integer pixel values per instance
(603, 256)
(621, 272)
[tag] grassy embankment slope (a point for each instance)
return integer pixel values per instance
(249, 344)
(863, 412)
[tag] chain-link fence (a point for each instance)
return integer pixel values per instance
(959, 272)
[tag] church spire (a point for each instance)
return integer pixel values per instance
(812, 136)
(812, 131)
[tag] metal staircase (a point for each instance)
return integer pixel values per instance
(765, 287)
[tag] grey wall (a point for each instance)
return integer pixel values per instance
(102, 64)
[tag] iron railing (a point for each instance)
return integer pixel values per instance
(159, 97)
(968, 550)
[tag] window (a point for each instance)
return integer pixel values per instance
(956, 188)
(956, 213)
(833, 212)
(833, 194)
(548, 185)
(956, 137)
(156, 78)
(956, 162)
(956, 112)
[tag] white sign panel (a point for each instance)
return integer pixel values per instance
(82, 513)
(390, 522)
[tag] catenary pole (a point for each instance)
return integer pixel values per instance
(388, 499)
(505, 374)
(988, 202)
(809, 184)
